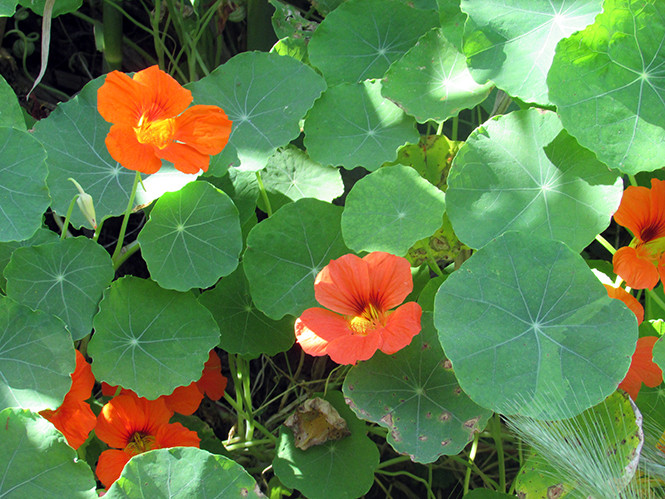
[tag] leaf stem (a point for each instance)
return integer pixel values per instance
(495, 431)
(63, 230)
(257, 425)
(472, 457)
(125, 220)
(264, 194)
(605, 244)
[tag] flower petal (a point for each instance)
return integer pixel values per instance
(184, 399)
(353, 348)
(176, 435)
(390, 279)
(82, 379)
(205, 128)
(317, 327)
(642, 368)
(110, 465)
(124, 147)
(403, 324)
(344, 285)
(162, 96)
(120, 100)
(637, 272)
(184, 157)
(74, 419)
(634, 212)
(631, 302)
(212, 382)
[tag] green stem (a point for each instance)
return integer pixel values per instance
(455, 127)
(128, 251)
(632, 180)
(257, 425)
(264, 194)
(605, 244)
(412, 477)
(472, 457)
(439, 129)
(125, 220)
(112, 36)
(240, 424)
(469, 465)
(431, 260)
(63, 231)
(248, 443)
(498, 442)
(390, 462)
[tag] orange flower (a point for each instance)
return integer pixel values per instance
(136, 425)
(74, 418)
(642, 211)
(642, 368)
(363, 291)
(631, 302)
(151, 122)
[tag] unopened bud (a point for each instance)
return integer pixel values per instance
(85, 204)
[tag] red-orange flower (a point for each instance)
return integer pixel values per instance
(631, 302)
(74, 418)
(363, 291)
(642, 211)
(642, 368)
(135, 425)
(151, 122)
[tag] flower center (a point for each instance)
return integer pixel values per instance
(371, 318)
(650, 250)
(158, 133)
(140, 443)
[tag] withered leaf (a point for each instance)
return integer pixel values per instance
(315, 422)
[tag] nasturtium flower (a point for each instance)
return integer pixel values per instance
(74, 418)
(642, 263)
(631, 302)
(642, 368)
(360, 294)
(134, 425)
(151, 122)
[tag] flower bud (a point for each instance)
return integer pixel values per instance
(85, 204)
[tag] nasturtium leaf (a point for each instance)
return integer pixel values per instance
(286, 252)
(150, 340)
(659, 353)
(24, 196)
(287, 21)
(390, 210)
(192, 238)
(36, 461)
(336, 469)
(42, 236)
(244, 330)
(651, 402)
(265, 95)
(606, 84)
(452, 21)
(291, 175)
(325, 7)
(361, 38)
(432, 81)
(65, 278)
(36, 358)
(481, 493)
(61, 7)
(7, 7)
(431, 157)
(10, 113)
(292, 47)
(512, 43)
(73, 136)
(167, 179)
(183, 473)
(414, 393)
(353, 125)
(530, 329)
(243, 189)
(522, 171)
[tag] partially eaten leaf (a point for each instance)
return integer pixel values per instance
(315, 422)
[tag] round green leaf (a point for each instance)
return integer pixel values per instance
(452, 21)
(286, 252)
(150, 340)
(606, 84)
(390, 210)
(36, 358)
(183, 473)
(265, 95)
(414, 393)
(24, 196)
(336, 469)
(361, 38)
(659, 353)
(353, 125)
(512, 43)
(192, 238)
(61, 7)
(65, 278)
(37, 462)
(10, 114)
(244, 329)
(73, 136)
(243, 189)
(42, 236)
(530, 329)
(291, 175)
(521, 171)
(432, 82)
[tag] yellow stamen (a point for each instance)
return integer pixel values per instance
(370, 319)
(158, 133)
(140, 443)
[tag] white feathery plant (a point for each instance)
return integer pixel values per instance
(600, 454)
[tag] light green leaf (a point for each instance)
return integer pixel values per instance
(244, 330)
(10, 113)
(606, 82)
(432, 82)
(452, 21)
(8, 7)
(36, 358)
(512, 43)
(183, 473)
(36, 461)
(192, 238)
(265, 95)
(530, 329)
(24, 196)
(353, 125)
(286, 252)
(60, 7)
(337, 469)
(659, 353)
(243, 189)
(521, 171)
(65, 278)
(42, 236)
(150, 340)
(390, 210)
(361, 38)
(414, 393)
